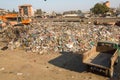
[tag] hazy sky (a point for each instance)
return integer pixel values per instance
(55, 5)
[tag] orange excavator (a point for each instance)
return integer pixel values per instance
(26, 21)
(14, 19)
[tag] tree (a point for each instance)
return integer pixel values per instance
(118, 7)
(13, 11)
(39, 12)
(118, 10)
(79, 11)
(99, 9)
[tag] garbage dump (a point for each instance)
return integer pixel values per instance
(41, 37)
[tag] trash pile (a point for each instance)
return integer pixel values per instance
(42, 37)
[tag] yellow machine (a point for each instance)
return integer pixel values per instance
(14, 19)
(26, 21)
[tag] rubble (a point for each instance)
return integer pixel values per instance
(117, 23)
(42, 37)
(1, 69)
(19, 74)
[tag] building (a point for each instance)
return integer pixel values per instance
(26, 10)
(72, 14)
(2, 11)
(107, 3)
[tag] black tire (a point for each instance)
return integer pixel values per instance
(88, 68)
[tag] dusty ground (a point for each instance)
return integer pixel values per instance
(19, 65)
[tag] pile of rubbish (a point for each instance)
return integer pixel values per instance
(41, 37)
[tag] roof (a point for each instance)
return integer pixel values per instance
(1, 9)
(25, 5)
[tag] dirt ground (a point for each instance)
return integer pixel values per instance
(20, 65)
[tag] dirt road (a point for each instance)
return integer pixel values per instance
(19, 65)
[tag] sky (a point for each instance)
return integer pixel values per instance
(56, 5)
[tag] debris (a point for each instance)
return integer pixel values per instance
(117, 23)
(73, 77)
(1, 69)
(109, 23)
(19, 74)
(42, 37)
